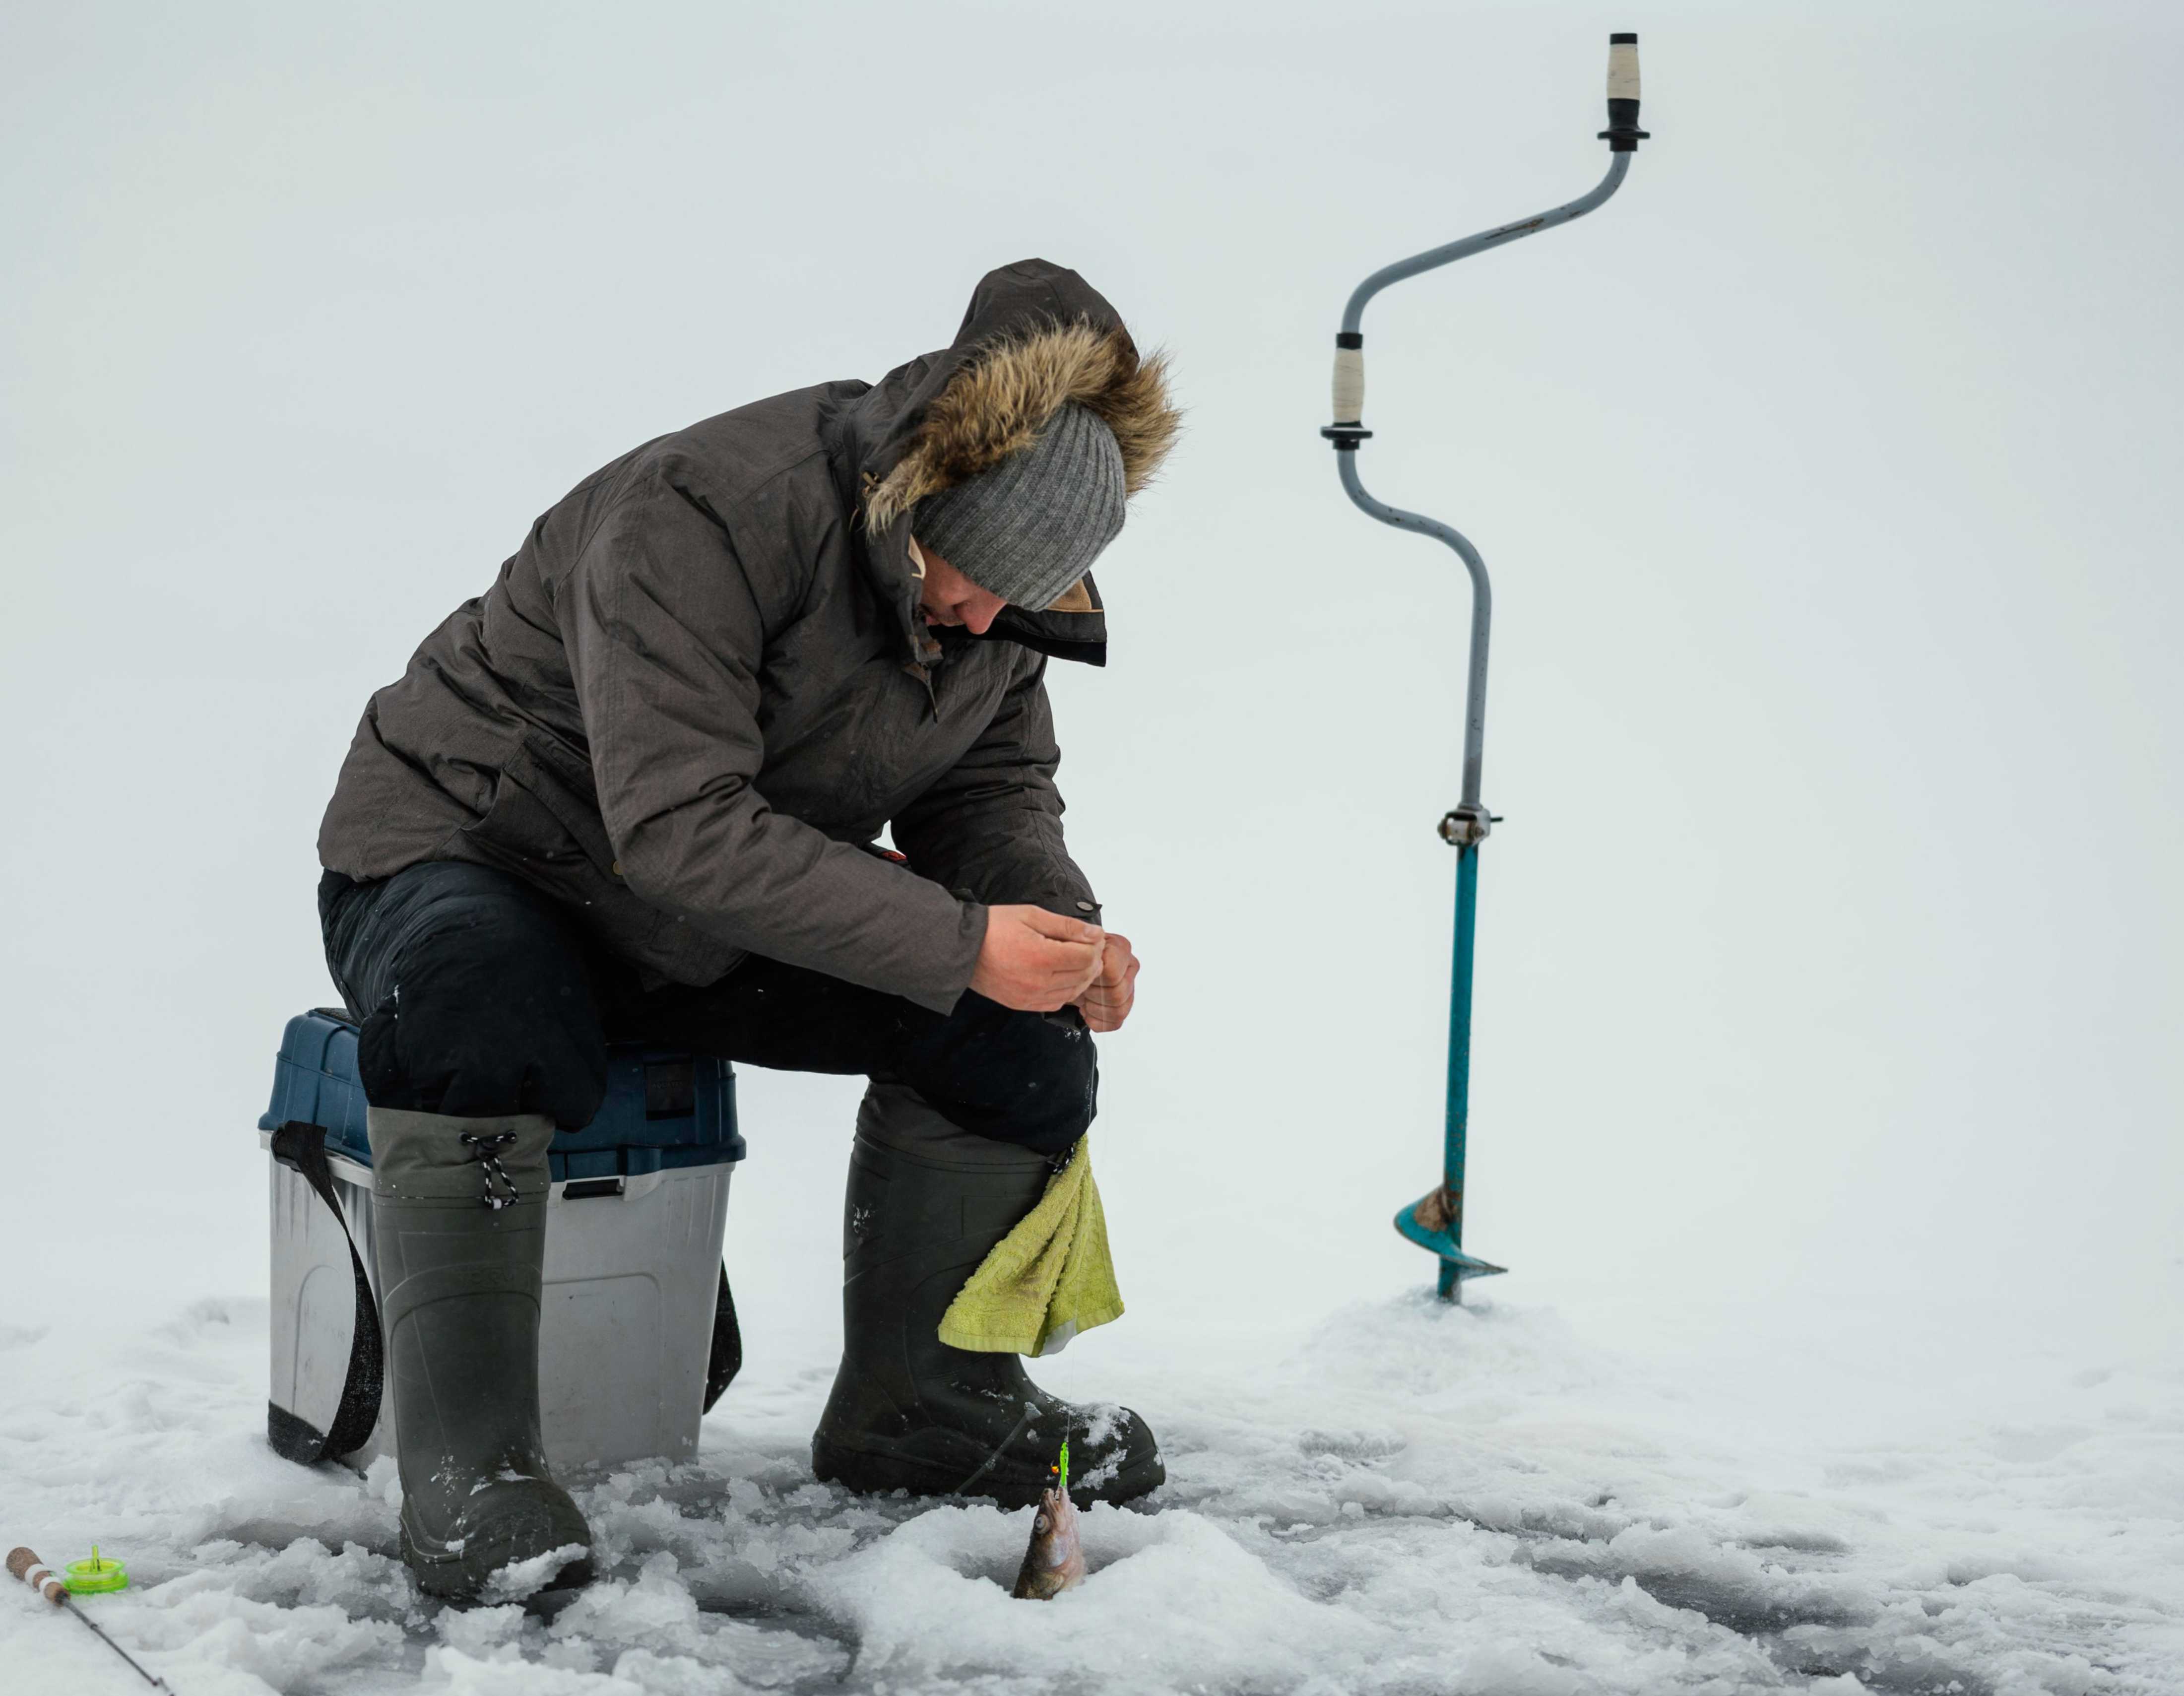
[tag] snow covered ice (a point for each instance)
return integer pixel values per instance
(1415, 1499)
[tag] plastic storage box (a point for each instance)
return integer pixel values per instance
(637, 1329)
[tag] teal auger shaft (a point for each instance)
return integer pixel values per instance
(1459, 1062)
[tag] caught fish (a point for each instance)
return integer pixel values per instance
(1054, 1561)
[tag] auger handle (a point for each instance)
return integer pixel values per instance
(1623, 134)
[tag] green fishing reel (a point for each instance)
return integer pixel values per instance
(97, 1576)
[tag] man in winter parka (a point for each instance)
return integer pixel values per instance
(631, 794)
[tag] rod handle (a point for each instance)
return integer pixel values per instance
(1623, 134)
(25, 1564)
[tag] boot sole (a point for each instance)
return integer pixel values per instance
(875, 1469)
(455, 1578)
(459, 1576)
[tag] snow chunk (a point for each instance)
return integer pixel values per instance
(521, 1580)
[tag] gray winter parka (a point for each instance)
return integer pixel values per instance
(703, 680)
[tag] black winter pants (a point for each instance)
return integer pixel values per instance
(480, 996)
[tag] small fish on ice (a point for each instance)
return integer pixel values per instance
(1054, 1561)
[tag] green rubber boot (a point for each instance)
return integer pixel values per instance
(458, 1233)
(927, 1203)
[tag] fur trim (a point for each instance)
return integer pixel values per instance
(1005, 393)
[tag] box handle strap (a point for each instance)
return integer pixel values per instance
(302, 1148)
(724, 1358)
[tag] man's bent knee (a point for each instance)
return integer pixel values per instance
(1027, 1077)
(478, 997)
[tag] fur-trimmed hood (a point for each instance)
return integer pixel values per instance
(1005, 391)
(1035, 337)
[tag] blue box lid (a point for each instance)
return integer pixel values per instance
(664, 1107)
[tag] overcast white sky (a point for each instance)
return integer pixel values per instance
(1829, 478)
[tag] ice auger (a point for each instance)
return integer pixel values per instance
(1435, 1221)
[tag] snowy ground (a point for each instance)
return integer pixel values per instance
(1412, 1499)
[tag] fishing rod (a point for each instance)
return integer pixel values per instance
(1435, 1221)
(25, 1564)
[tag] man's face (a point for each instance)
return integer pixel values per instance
(948, 597)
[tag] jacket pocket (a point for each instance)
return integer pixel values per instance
(521, 832)
(540, 829)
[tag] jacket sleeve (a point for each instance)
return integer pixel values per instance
(665, 633)
(991, 830)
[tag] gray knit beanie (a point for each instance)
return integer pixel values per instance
(1030, 526)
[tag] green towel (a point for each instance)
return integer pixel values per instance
(1047, 1279)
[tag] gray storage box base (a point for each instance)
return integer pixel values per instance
(626, 1328)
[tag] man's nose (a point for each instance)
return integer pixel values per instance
(979, 614)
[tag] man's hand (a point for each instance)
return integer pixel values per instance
(1035, 961)
(1106, 1003)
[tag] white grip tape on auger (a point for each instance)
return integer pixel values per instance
(1623, 71)
(1348, 385)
